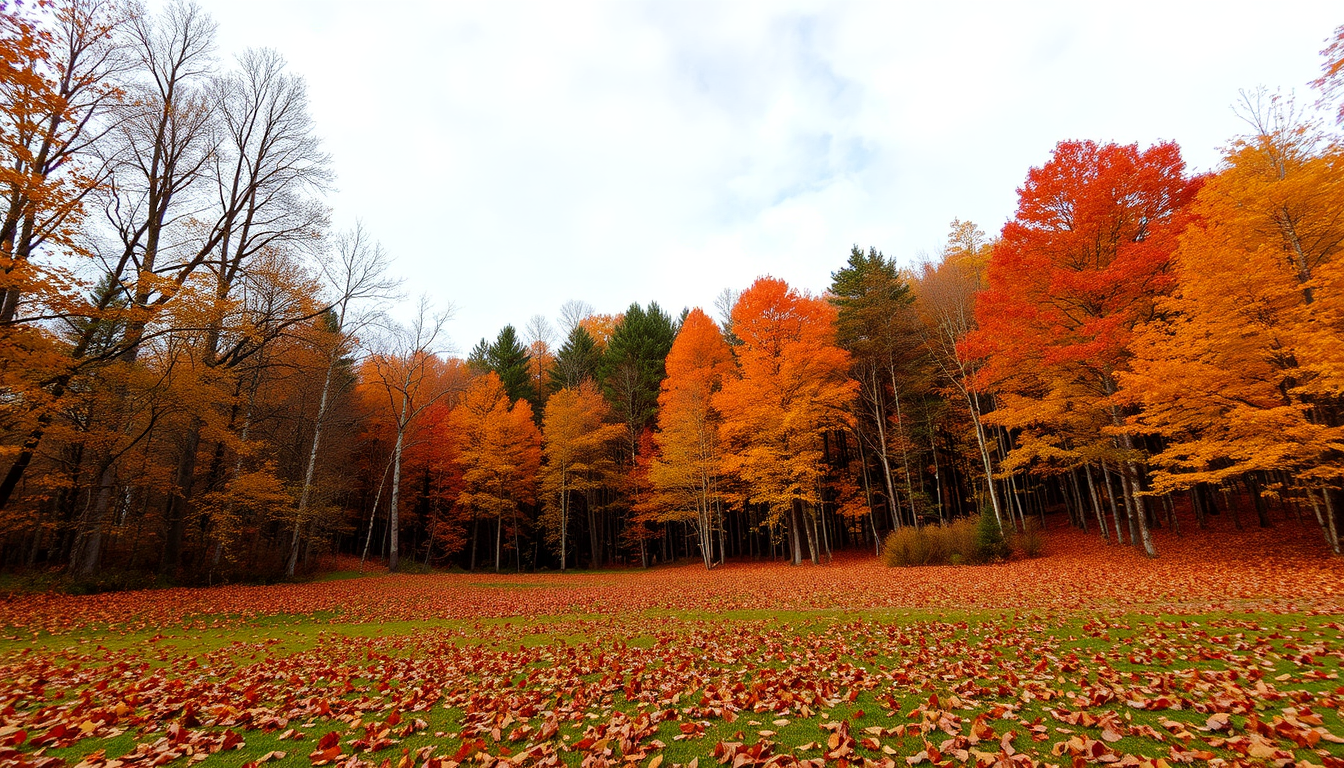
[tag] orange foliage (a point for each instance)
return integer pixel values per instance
(792, 387)
(685, 473)
(498, 449)
(1247, 366)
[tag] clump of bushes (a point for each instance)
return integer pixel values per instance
(1029, 542)
(969, 540)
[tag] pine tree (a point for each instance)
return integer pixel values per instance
(577, 361)
(635, 365)
(508, 359)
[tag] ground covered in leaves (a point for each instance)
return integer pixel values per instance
(1215, 654)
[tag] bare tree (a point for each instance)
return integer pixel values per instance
(404, 368)
(572, 313)
(356, 277)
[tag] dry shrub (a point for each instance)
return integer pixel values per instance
(953, 543)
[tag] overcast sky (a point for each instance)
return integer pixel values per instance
(512, 156)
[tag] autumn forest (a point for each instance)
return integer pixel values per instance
(201, 382)
(1067, 492)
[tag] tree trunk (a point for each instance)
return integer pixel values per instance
(1096, 503)
(85, 559)
(393, 518)
(1115, 511)
(178, 502)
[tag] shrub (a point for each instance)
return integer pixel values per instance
(961, 534)
(905, 546)
(990, 545)
(953, 543)
(1029, 542)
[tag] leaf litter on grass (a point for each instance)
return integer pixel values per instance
(1244, 672)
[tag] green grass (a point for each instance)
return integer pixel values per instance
(1273, 642)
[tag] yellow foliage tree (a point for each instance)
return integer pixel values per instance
(685, 472)
(499, 451)
(578, 438)
(1244, 376)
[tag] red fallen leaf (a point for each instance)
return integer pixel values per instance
(231, 741)
(329, 740)
(469, 748)
(16, 738)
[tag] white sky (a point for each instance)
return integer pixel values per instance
(512, 156)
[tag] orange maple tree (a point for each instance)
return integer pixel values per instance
(685, 472)
(1076, 271)
(792, 387)
(1242, 376)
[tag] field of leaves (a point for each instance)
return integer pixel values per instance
(1214, 655)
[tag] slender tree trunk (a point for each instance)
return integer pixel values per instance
(306, 494)
(1096, 503)
(1146, 536)
(564, 523)
(905, 454)
(984, 456)
(1331, 520)
(373, 514)
(1115, 511)
(475, 534)
(880, 417)
(795, 534)
(393, 554)
(937, 474)
(1078, 498)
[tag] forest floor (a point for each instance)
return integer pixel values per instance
(1225, 650)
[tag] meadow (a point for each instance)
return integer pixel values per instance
(1225, 651)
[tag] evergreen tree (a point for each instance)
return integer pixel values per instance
(577, 361)
(876, 325)
(634, 366)
(509, 358)
(479, 359)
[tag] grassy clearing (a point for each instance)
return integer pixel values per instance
(1048, 664)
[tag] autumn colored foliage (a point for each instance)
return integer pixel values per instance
(203, 384)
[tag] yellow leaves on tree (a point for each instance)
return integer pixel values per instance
(577, 438)
(685, 473)
(250, 499)
(1247, 371)
(499, 450)
(792, 387)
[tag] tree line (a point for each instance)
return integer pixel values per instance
(199, 380)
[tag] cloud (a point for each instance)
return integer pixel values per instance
(516, 155)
